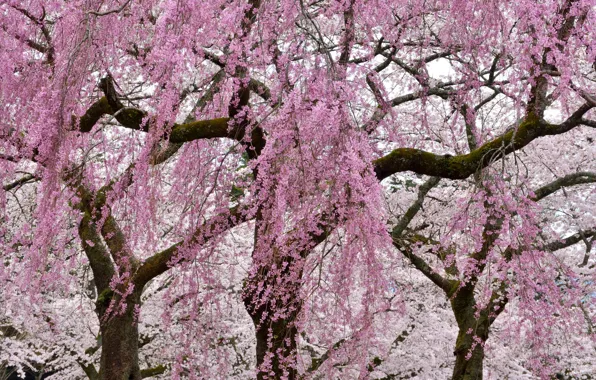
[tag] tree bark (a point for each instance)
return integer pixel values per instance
(120, 337)
(276, 337)
(276, 348)
(472, 335)
(468, 368)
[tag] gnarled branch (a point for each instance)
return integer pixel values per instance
(462, 166)
(161, 261)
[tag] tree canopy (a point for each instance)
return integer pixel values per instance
(256, 181)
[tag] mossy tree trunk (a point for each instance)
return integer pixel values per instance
(472, 335)
(468, 360)
(273, 301)
(276, 337)
(276, 347)
(120, 341)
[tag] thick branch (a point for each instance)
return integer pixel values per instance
(405, 220)
(27, 41)
(9, 158)
(317, 362)
(570, 240)
(588, 123)
(127, 116)
(150, 372)
(254, 85)
(94, 113)
(462, 166)
(162, 261)
(89, 370)
(497, 303)
(95, 205)
(19, 182)
(259, 88)
(588, 243)
(99, 258)
(241, 98)
(569, 180)
(132, 119)
(136, 119)
(116, 242)
(405, 247)
(171, 148)
(348, 39)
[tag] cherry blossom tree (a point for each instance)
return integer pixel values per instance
(140, 137)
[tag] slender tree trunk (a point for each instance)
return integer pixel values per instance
(276, 346)
(473, 333)
(276, 337)
(468, 368)
(120, 343)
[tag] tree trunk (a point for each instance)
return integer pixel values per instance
(473, 333)
(468, 369)
(120, 342)
(276, 337)
(276, 348)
